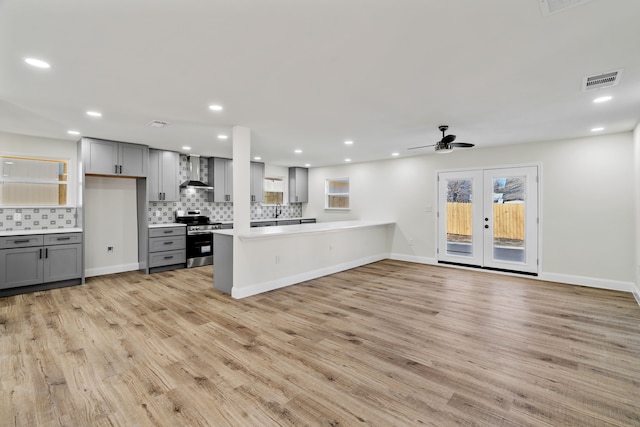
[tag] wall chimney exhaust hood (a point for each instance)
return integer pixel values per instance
(194, 180)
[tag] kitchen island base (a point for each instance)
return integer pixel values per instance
(276, 257)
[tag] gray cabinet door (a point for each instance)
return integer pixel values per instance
(154, 179)
(298, 185)
(170, 176)
(257, 182)
(100, 156)
(62, 262)
(21, 267)
(221, 178)
(163, 176)
(133, 159)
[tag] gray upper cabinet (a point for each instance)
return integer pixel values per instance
(221, 179)
(257, 182)
(163, 180)
(298, 185)
(111, 158)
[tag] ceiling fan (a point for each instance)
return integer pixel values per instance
(446, 144)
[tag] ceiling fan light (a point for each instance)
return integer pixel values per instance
(443, 150)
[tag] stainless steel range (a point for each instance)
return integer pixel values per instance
(199, 237)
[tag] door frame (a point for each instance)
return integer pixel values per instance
(539, 215)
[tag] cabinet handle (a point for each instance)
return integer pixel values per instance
(63, 238)
(40, 255)
(168, 243)
(168, 232)
(120, 169)
(46, 252)
(168, 257)
(21, 241)
(116, 171)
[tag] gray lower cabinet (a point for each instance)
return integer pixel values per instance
(167, 248)
(36, 259)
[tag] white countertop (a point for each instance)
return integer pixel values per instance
(8, 233)
(318, 227)
(171, 224)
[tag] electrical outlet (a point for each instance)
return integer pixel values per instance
(277, 259)
(17, 216)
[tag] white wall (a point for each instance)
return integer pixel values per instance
(110, 220)
(587, 202)
(23, 145)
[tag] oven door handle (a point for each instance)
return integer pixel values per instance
(198, 233)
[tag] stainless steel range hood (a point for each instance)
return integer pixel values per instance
(194, 181)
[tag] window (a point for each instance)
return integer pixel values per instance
(28, 181)
(273, 191)
(337, 193)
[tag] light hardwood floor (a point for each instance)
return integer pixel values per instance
(387, 344)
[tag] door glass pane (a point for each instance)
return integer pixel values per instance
(509, 219)
(459, 217)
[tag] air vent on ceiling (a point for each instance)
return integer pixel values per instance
(599, 81)
(157, 124)
(549, 7)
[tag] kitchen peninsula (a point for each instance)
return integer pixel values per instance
(274, 257)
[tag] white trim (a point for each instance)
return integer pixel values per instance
(413, 258)
(636, 292)
(271, 285)
(592, 282)
(101, 271)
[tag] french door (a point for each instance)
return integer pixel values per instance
(489, 218)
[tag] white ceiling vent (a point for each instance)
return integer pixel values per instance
(549, 7)
(599, 81)
(157, 124)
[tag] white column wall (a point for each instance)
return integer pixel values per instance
(636, 145)
(587, 203)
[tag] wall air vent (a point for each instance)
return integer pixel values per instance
(157, 124)
(599, 81)
(549, 7)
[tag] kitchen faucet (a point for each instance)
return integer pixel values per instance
(278, 211)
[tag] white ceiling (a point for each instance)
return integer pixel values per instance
(310, 74)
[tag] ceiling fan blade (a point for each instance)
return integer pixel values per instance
(462, 144)
(422, 146)
(448, 139)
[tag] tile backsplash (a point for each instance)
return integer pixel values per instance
(37, 218)
(191, 199)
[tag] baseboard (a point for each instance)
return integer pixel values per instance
(303, 277)
(413, 258)
(636, 293)
(592, 282)
(614, 285)
(111, 269)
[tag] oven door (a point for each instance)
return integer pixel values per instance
(199, 249)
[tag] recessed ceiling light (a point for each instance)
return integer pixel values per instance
(395, 154)
(307, 165)
(186, 147)
(603, 99)
(257, 158)
(347, 160)
(348, 142)
(297, 151)
(94, 114)
(597, 129)
(37, 63)
(73, 132)
(223, 136)
(157, 123)
(215, 107)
